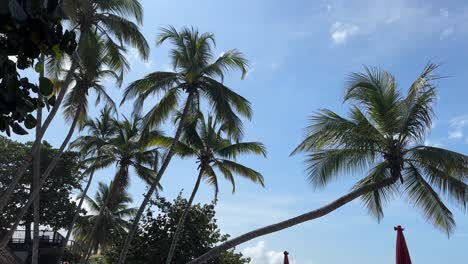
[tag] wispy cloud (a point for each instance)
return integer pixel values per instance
(457, 126)
(340, 32)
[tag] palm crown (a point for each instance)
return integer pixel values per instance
(90, 79)
(127, 149)
(114, 222)
(195, 72)
(208, 142)
(383, 135)
(99, 131)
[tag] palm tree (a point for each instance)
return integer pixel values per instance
(114, 222)
(100, 130)
(95, 20)
(196, 74)
(128, 150)
(75, 108)
(36, 163)
(214, 151)
(383, 135)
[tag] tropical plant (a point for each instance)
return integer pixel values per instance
(157, 229)
(99, 132)
(56, 206)
(28, 30)
(75, 107)
(196, 74)
(127, 149)
(98, 21)
(214, 150)
(383, 135)
(114, 221)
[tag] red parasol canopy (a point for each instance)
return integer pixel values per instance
(286, 260)
(402, 253)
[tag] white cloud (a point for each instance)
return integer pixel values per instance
(340, 32)
(446, 33)
(457, 126)
(455, 134)
(259, 254)
(444, 12)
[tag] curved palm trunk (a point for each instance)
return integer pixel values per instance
(6, 194)
(343, 200)
(180, 225)
(75, 217)
(37, 189)
(167, 159)
(36, 179)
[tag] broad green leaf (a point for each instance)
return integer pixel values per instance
(39, 67)
(45, 86)
(18, 129)
(30, 121)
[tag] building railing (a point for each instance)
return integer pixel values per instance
(45, 236)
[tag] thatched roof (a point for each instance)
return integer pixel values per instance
(6, 257)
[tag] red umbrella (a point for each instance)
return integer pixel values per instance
(286, 260)
(402, 253)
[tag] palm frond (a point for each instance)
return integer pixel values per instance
(160, 112)
(125, 31)
(325, 165)
(242, 170)
(124, 8)
(230, 60)
(232, 150)
(377, 91)
(418, 104)
(329, 130)
(376, 199)
(424, 197)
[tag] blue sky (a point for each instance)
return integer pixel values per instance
(301, 53)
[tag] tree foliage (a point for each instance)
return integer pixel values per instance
(114, 222)
(27, 29)
(201, 232)
(381, 139)
(56, 205)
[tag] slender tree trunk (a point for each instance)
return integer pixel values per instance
(295, 220)
(180, 225)
(89, 253)
(27, 231)
(154, 185)
(75, 217)
(6, 194)
(37, 189)
(37, 178)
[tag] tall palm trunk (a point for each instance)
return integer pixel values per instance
(295, 220)
(36, 179)
(6, 194)
(37, 189)
(180, 225)
(123, 172)
(154, 185)
(75, 217)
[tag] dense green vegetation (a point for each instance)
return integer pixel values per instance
(56, 206)
(153, 240)
(76, 45)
